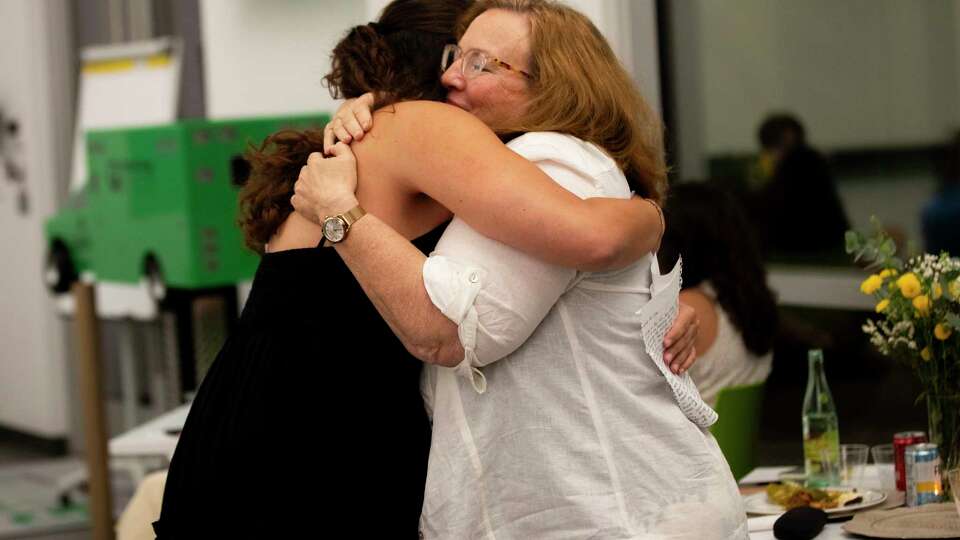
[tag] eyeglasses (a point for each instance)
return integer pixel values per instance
(474, 62)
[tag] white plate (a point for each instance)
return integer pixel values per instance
(758, 503)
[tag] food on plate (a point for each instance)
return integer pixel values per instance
(792, 495)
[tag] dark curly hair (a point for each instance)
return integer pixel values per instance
(709, 229)
(397, 57)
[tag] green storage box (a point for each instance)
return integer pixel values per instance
(160, 203)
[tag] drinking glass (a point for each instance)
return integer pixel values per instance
(853, 459)
(883, 459)
(953, 477)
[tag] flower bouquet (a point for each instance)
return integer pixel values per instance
(918, 302)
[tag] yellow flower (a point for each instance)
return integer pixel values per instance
(922, 303)
(888, 272)
(909, 285)
(882, 305)
(942, 331)
(871, 284)
(926, 354)
(954, 289)
(937, 291)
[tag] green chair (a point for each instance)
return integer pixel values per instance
(737, 429)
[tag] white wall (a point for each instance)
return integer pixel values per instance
(859, 72)
(687, 78)
(631, 28)
(896, 201)
(270, 57)
(35, 63)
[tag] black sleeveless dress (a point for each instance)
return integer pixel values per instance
(309, 424)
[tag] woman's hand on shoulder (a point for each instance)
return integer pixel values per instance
(350, 122)
(326, 186)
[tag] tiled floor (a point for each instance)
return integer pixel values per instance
(30, 502)
(30, 499)
(28, 474)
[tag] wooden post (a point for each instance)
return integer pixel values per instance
(94, 418)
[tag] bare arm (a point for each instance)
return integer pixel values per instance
(389, 268)
(453, 158)
(386, 265)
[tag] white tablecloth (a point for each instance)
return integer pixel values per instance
(833, 531)
(151, 438)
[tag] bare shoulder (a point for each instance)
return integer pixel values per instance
(427, 116)
(432, 109)
(413, 135)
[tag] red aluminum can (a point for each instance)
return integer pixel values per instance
(900, 443)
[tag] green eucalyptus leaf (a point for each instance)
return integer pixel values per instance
(853, 241)
(953, 320)
(888, 248)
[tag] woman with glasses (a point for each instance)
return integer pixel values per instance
(475, 62)
(310, 422)
(553, 419)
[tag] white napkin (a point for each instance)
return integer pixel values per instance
(765, 475)
(762, 523)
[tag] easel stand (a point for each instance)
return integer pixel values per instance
(95, 424)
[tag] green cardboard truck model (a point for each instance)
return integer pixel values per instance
(160, 204)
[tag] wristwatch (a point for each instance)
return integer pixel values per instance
(335, 228)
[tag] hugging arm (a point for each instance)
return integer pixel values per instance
(453, 158)
(390, 269)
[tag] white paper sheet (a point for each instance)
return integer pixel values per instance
(656, 317)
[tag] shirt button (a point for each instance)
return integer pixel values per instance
(474, 278)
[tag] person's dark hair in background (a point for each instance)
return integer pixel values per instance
(941, 215)
(707, 227)
(799, 210)
(781, 132)
(398, 57)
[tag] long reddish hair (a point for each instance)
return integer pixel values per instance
(580, 88)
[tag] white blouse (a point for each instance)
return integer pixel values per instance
(728, 362)
(558, 424)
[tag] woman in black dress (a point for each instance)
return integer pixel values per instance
(310, 421)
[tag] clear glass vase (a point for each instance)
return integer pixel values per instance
(943, 416)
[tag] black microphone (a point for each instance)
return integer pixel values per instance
(800, 524)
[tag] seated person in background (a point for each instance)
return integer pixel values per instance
(725, 282)
(798, 210)
(941, 216)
